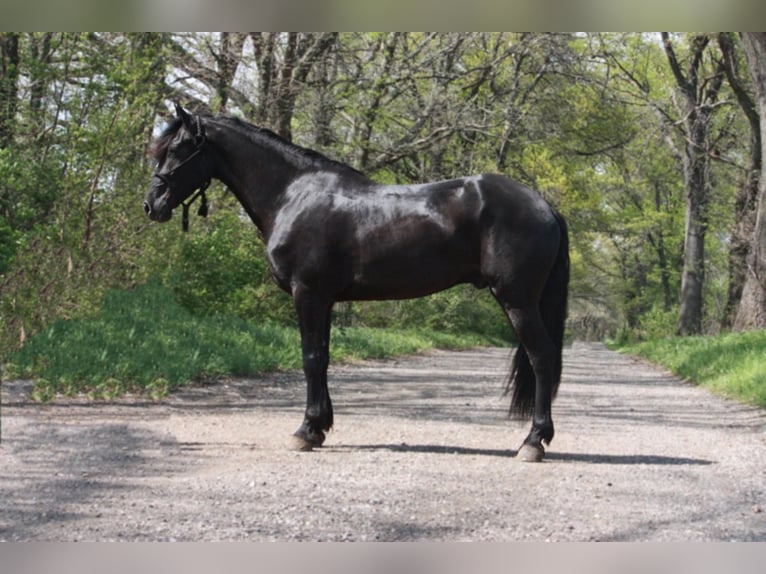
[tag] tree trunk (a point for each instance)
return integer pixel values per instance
(752, 308)
(697, 95)
(377, 93)
(696, 183)
(662, 254)
(227, 61)
(9, 78)
(747, 196)
(41, 53)
(740, 250)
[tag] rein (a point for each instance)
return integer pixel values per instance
(203, 206)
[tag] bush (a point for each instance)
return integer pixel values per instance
(220, 268)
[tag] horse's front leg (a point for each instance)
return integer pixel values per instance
(314, 313)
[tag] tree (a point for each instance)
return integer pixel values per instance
(699, 90)
(747, 194)
(9, 77)
(275, 64)
(752, 308)
(638, 232)
(71, 172)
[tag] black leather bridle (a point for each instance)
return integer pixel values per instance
(171, 177)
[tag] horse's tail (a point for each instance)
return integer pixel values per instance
(553, 309)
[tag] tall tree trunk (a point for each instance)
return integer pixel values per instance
(662, 254)
(697, 96)
(388, 47)
(746, 201)
(752, 308)
(264, 46)
(41, 52)
(227, 60)
(696, 184)
(9, 85)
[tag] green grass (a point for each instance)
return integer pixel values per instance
(144, 342)
(731, 364)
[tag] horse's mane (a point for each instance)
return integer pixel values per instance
(159, 146)
(262, 136)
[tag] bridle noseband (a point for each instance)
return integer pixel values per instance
(167, 178)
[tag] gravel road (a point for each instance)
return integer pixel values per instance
(422, 450)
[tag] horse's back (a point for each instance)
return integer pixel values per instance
(514, 202)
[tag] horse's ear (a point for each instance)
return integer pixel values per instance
(185, 117)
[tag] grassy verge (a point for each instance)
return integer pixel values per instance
(143, 341)
(732, 364)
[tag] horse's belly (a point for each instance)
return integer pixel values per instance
(412, 272)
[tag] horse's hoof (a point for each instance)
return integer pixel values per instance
(302, 441)
(530, 453)
(301, 444)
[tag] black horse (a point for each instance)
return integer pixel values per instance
(335, 235)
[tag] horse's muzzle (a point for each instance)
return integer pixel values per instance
(155, 214)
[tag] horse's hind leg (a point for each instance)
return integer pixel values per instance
(314, 314)
(540, 352)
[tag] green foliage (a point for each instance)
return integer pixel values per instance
(730, 364)
(8, 244)
(28, 185)
(144, 341)
(656, 324)
(72, 174)
(585, 118)
(220, 267)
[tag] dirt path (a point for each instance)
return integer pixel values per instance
(421, 451)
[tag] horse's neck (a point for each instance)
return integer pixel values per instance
(257, 174)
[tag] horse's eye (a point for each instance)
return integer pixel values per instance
(180, 149)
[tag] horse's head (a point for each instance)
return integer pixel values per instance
(184, 165)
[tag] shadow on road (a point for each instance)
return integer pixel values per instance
(640, 459)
